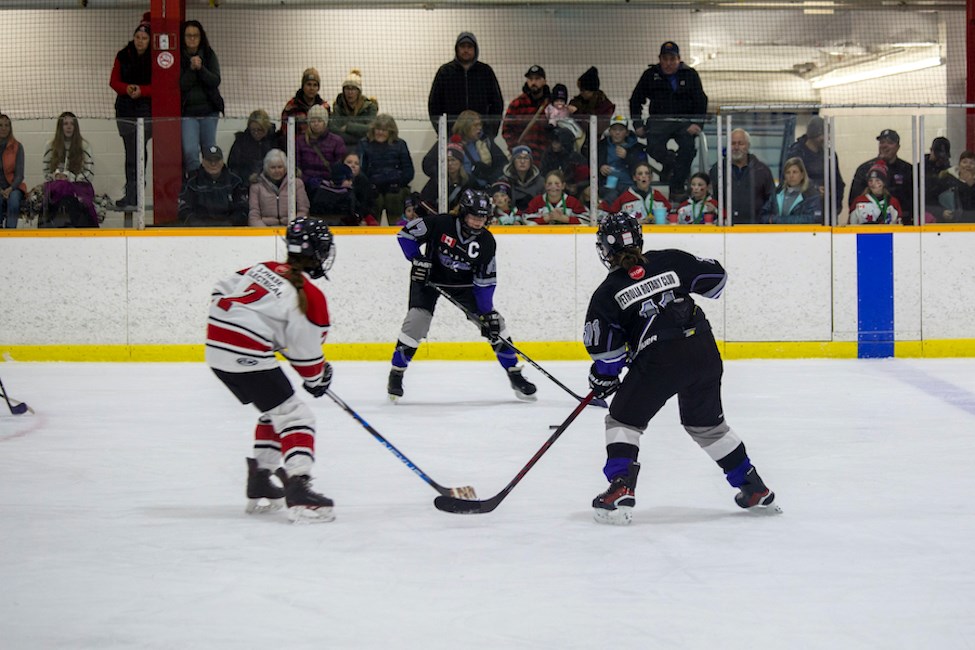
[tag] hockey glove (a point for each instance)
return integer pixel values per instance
(421, 270)
(491, 326)
(317, 388)
(602, 385)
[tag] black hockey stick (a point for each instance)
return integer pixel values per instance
(473, 507)
(464, 492)
(16, 408)
(595, 402)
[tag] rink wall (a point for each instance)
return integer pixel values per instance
(792, 292)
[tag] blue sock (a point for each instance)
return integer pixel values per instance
(616, 467)
(736, 477)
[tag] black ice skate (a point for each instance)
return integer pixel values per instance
(305, 506)
(615, 505)
(524, 389)
(394, 387)
(263, 495)
(755, 496)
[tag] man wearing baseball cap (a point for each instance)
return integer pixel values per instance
(900, 174)
(524, 121)
(678, 105)
(213, 195)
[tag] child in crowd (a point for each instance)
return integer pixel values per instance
(876, 205)
(559, 109)
(334, 201)
(700, 207)
(505, 212)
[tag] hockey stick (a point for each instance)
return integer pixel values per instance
(463, 492)
(16, 408)
(595, 402)
(472, 507)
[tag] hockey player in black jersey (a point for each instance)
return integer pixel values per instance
(642, 315)
(456, 253)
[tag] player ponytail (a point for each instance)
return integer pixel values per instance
(297, 279)
(629, 257)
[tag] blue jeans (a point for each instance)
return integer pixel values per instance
(198, 133)
(10, 208)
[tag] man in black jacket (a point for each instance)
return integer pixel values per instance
(900, 174)
(213, 195)
(678, 105)
(466, 83)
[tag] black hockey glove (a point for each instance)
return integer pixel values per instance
(491, 326)
(421, 270)
(602, 385)
(318, 388)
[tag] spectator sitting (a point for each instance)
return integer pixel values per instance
(751, 180)
(465, 83)
(12, 186)
(353, 111)
(365, 193)
(387, 163)
(214, 195)
(68, 173)
(248, 154)
(809, 148)
(524, 121)
(483, 159)
(554, 206)
(199, 84)
(700, 207)
(334, 202)
(591, 101)
(559, 109)
(617, 153)
(797, 200)
(317, 150)
(956, 191)
(561, 155)
(132, 82)
(935, 162)
(299, 105)
(640, 199)
(457, 178)
(523, 176)
(505, 212)
(269, 198)
(877, 205)
(900, 175)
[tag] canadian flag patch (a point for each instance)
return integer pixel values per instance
(636, 272)
(447, 239)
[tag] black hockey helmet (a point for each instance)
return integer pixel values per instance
(477, 204)
(617, 232)
(310, 238)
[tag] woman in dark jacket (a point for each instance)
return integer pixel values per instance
(483, 159)
(387, 163)
(251, 146)
(132, 81)
(199, 82)
(797, 200)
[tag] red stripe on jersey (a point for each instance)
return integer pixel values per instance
(317, 306)
(218, 334)
(312, 371)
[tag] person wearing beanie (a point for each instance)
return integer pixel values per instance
(202, 104)
(523, 176)
(131, 80)
(900, 175)
(675, 93)
(505, 212)
(559, 108)
(458, 178)
(877, 205)
(524, 121)
(935, 162)
(809, 149)
(466, 83)
(317, 151)
(353, 112)
(299, 105)
(251, 145)
(591, 101)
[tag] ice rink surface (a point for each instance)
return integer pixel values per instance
(122, 518)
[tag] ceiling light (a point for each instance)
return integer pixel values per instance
(835, 79)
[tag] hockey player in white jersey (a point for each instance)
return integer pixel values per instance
(274, 307)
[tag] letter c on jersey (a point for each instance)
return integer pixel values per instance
(472, 249)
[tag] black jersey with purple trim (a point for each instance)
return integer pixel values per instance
(458, 261)
(649, 303)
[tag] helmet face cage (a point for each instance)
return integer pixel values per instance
(616, 233)
(476, 204)
(311, 239)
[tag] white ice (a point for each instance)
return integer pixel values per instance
(122, 518)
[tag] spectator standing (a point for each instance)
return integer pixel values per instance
(386, 161)
(554, 206)
(524, 177)
(317, 150)
(199, 83)
(131, 80)
(751, 180)
(900, 175)
(353, 111)
(796, 200)
(12, 186)
(68, 173)
(247, 154)
(809, 149)
(876, 205)
(525, 121)
(700, 207)
(591, 101)
(269, 196)
(678, 105)
(362, 187)
(214, 195)
(617, 154)
(299, 105)
(956, 191)
(483, 159)
(465, 83)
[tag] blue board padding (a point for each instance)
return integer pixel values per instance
(875, 295)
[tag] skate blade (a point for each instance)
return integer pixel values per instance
(526, 398)
(309, 515)
(393, 398)
(622, 516)
(763, 511)
(262, 505)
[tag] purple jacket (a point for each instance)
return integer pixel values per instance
(313, 168)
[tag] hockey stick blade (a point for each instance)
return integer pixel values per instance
(20, 408)
(475, 507)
